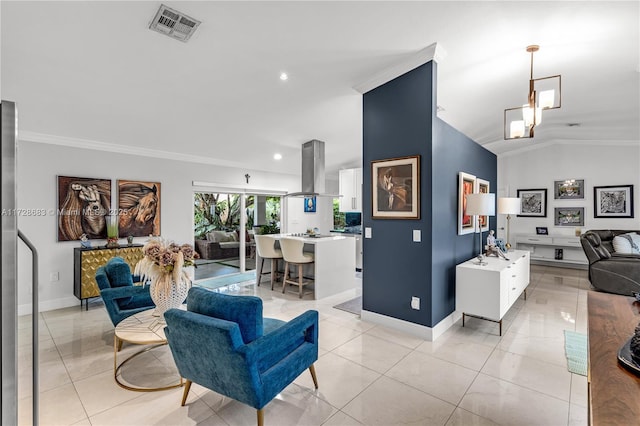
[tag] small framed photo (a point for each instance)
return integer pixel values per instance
(568, 189)
(482, 188)
(533, 202)
(396, 188)
(542, 230)
(613, 201)
(568, 216)
(309, 204)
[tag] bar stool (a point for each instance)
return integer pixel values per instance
(265, 245)
(293, 254)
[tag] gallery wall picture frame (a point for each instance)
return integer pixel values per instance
(533, 202)
(309, 204)
(466, 186)
(568, 216)
(138, 208)
(613, 201)
(568, 189)
(83, 204)
(396, 188)
(482, 187)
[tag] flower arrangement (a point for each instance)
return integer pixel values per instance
(163, 264)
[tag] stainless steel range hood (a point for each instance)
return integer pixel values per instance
(313, 176)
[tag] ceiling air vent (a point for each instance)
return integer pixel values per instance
(173, 23)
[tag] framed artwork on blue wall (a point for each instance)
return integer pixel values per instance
(396, 188)
(466, 186)
(309, 204)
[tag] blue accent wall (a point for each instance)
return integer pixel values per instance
(399, 120)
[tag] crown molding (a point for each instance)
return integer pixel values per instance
(433, 52)
(28, 136)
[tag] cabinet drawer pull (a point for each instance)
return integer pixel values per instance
(532, 239)
(513, 276)
(513, 288)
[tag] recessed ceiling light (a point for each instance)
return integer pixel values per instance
(284, 76)
(277, 156)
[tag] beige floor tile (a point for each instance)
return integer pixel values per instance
(100, 392)
(372, 352)
(442, 379)
(530, 373)
(462, 417)
(158, 408)
(547, 349)
(59, 406)
(388, 402)
(579, 392)
(510, 404)
(453, 348)
(395, 336)
(331, 335)
(341, 419)
(293, 406)
(339, 380)
(578, 415)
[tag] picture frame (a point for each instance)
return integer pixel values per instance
(482, 187)
(138, 208)
(568, 189)
(466, 186)
(396, 188)
(83, 204)
(542, 230)
(568, 216)
(309, 204)
(613, 201)
(533, 202)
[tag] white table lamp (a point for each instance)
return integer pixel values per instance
(481, 204)
(508, 206)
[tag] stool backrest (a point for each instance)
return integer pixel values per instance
(265, 245)
(292, 250)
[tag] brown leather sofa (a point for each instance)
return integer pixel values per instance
(610, 271)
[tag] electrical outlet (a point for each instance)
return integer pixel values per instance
(415, 303)
(54, 276)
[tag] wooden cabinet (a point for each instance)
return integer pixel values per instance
(351, 190)
(549, 249)
(86, 262)
(488, 291)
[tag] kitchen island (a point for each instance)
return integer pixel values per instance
(334, 269)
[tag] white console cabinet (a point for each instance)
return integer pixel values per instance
(561, 250)
(351, 190)
(488, 291)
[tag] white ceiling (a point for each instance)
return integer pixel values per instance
(93, 71)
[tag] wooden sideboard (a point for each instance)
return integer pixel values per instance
(614, 392)
(86, 262)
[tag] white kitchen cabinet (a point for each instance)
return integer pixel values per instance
(489, 291)
(351, 190)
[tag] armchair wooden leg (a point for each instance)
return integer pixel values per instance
(260, 417)
(312, 370)
(187, 386)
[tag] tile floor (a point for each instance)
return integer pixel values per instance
(368, 374)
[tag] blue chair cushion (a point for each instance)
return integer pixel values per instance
(118, 272)
(246, 311)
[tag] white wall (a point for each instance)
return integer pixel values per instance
(38, 166)
(597, 164)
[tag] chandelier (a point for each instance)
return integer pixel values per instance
(544, 93)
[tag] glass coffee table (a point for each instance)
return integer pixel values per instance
(146, 329)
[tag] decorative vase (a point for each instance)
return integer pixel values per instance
(112, 242)
(167, 297)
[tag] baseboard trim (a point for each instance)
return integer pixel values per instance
(49, 305)
(421, 331)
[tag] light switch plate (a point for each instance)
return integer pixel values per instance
(417, 235)
(367, 232)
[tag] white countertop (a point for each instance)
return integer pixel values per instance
(312, 240)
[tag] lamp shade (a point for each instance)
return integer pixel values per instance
(481, 204)
(508, 205)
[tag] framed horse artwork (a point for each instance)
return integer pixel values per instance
(138, 208)
(83, 204)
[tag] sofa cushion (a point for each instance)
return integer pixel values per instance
(118, 272)
(230, 245)
(627, 243)
(222, 236)
(246, 311)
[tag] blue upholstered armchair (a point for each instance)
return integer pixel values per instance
(223, 343)
(121, 298)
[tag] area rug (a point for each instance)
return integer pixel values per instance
(213, 283)
(575, 348)
(354, 305)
